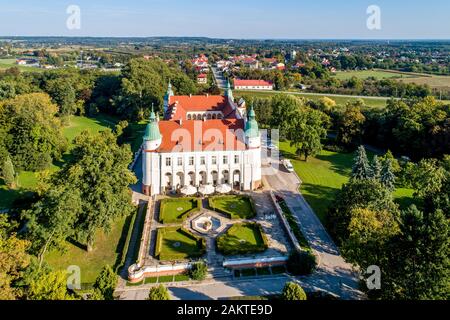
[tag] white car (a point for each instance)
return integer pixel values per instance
(288, 165)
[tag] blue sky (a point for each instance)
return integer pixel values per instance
(285, 19)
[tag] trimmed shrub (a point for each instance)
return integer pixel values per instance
(293, 291)
(198, 271)
(301, 263)
(159, 293)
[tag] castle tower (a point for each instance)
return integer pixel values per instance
(169, 93)
(228, 91)
(150, 160)
(252, 136)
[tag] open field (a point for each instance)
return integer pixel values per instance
(434, 81)
(175, 243)
(377, 74)
(324, 175)
(177, 210)
(237, 207)
(376, 102)
(107, 250)
(242, 238)
(11, 62)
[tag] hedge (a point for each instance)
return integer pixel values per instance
(201, 244)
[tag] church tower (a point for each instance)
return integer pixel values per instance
(228, 91)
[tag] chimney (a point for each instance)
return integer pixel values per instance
(190, 95)
(181, 121)
(207, 95)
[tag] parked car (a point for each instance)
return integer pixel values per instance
(287, 163)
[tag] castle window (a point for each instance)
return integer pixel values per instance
(202, 160)
(180, 161)
(214, 160)
(168, 162)
(191, 161)
(225, 160)
(236, 159)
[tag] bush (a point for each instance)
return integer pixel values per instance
(301, 263)
(198, 271)
(159, 293)
(106, 283)
(293, 291)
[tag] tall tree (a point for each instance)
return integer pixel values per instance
(387, 176)
(99, 171)
(106, 283)
(350, 124)
(376, 168)
(306, 131)
(51, 220)
(361, 168)
(50, 286)
(8, 172)
(13, 260)
(33, 133)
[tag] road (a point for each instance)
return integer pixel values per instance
(332, 268)
(220, 80)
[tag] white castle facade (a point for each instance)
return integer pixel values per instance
(202, 140)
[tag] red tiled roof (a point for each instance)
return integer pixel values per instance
(184, 104)
(198, 135)
(245, 83)
(202, 75)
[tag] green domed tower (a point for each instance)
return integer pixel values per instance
(251, 126)
(152, 132)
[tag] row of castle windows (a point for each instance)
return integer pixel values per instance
(201, 116)
(202, 160)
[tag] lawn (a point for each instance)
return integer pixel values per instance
(236, 207)
(340, 100)
(242, 238)
(11, 62)
(364, 74)
(107, 250)
(177, 210)
(324, 175)
(175, 243)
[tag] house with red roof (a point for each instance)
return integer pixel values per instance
(252, 85)
(202, 78)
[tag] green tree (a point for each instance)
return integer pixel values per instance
(357, 193)
(418, 266)
(284, 107)
(301, 263)
(14, 260)
(159, 293)
(98, 169)
(387, 176)
(32, 133)
(50, 286)
(369, 231)
(106, 283)
(306, 131)
(63, 94)
(51, 219)
(293, 291)
(198, 271)
(376, 168)
(361, 168)
(8, 172)
(350, 124)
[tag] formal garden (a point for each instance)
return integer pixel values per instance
(242, 238)
(177, 210)
(234, 206)
(177, 243)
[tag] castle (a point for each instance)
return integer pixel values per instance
(201, 140)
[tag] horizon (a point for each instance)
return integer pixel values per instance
(250, 20)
